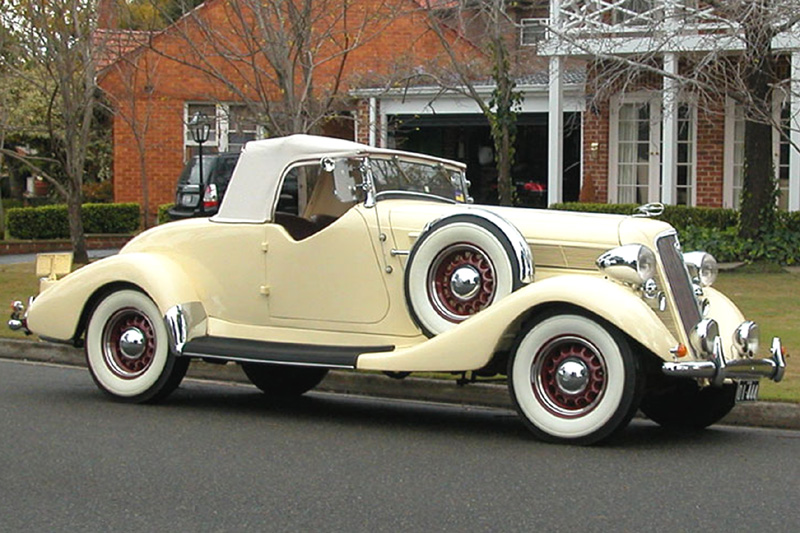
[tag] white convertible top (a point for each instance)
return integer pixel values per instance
(257, 175)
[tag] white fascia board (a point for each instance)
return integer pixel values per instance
(626, 45)
(593, 47)
(430, 102)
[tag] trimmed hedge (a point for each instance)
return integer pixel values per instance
(163, 217)
(50, 222)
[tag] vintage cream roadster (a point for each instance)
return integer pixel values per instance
(327, 254)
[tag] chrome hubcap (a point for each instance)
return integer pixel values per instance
(465, 282)
(132, 343)
(568, 376)
(128, 343)
(572, 376)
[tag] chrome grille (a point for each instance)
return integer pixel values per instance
(678, 279)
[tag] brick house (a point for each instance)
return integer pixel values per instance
(155, 92)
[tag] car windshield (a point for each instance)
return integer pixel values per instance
(191, 172)
(403, 175)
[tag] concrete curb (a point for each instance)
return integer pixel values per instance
(758, 414)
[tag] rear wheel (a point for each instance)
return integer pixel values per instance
(688, 406)
(573, 379)
(282, 381)
(127, 349)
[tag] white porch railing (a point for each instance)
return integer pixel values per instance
(620, 17)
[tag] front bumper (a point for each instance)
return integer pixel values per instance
(717, 368)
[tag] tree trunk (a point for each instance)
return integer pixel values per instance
(77, 236)
(758, 193)
(504, 158)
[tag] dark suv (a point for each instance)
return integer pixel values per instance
(194, 198)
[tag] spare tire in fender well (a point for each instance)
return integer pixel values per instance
(461, 264)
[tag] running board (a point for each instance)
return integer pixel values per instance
(249, 351)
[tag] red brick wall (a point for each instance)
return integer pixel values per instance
(595, 153)
(710, 154)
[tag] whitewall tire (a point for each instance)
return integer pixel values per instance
(573, 379)
(455, 270)
(127, 349)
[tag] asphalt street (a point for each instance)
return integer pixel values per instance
(217, 457)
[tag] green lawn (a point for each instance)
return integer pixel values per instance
(771, 299)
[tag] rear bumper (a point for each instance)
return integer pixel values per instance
(717, 368)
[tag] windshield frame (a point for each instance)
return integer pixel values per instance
(363, 170)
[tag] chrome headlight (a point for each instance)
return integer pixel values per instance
(632, 263)
(745, 338)
(702, 268)
(702, 336)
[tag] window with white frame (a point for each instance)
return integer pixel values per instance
(231, 127)
(635, 163)
(685, 155)
(734, 153)
(532, 31)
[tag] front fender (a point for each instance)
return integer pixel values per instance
(473, 343)
(56, 312)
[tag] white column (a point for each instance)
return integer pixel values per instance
(373, 121)
(794, 154)
(669, 142)
(555, 132)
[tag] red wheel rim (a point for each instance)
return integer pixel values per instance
(129, 343)
(447, 265)
(569, 376)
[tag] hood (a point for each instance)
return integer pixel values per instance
(559, 239)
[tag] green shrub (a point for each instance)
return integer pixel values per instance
(163, 218)
(50, 222)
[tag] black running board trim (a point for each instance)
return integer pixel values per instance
(250, 351)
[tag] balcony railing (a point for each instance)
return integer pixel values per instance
(573, 21)
(593, 17)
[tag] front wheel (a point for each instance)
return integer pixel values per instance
(573, 379)
(688, 406)
(127, 349)
(281, 381)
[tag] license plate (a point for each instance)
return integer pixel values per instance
(188, 199)
(746, 391)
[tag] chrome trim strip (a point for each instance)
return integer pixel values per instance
(184, 322)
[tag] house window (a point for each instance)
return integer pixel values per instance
(685, 156)
(734, 152)
(635, 171)
(231, 127)
(634, 154)
(532, 31)
(782, 155)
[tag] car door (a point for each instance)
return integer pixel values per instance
(322, 267)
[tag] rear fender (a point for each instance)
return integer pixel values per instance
(472, 344)
(60, 312)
